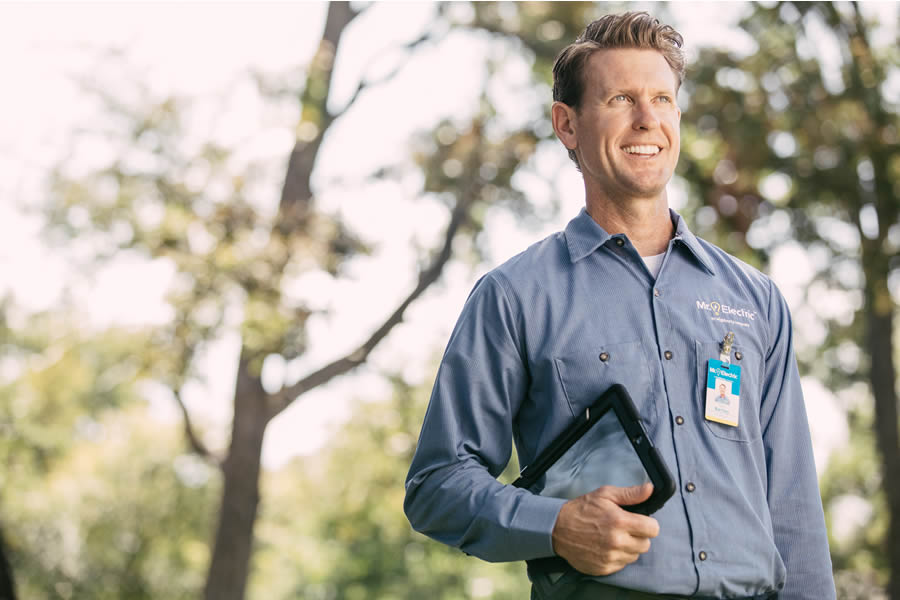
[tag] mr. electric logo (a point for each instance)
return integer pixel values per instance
(726, 313)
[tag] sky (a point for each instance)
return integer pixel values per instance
(203, 51)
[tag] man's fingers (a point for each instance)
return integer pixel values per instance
(599, 537)
(614, 562)
(632, 544)
(627, 496)
(640, 526)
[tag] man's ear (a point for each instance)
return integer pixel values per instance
(563, 117)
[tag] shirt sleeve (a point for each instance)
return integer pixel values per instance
(452, 493)
(793, 489)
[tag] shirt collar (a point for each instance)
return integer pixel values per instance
(691, 242)
(584, 235)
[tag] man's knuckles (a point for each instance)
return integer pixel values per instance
(611, 563)
(618, 540)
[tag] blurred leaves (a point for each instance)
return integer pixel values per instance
(88, 488)
(351, 538)
(782, 149)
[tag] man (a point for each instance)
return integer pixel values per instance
(626, 294)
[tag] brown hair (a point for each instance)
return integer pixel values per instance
(628, 30)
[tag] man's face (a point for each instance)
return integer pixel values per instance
(626, 129)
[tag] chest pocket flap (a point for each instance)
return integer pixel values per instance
(586, 375)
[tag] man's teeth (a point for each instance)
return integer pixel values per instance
(642, 149)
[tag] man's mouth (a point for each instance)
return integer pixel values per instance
(642, 150)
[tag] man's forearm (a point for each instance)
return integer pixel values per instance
(462, 505)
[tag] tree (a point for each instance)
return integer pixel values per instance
(7, 584)
(95, 504)
(7, 580)
(754, 124)
(234, 253)
(781, 139)
(351, 540)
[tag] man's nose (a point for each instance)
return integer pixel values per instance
(645, 116)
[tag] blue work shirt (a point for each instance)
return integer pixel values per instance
(525, 358)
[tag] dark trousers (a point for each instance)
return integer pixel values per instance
(588, 589)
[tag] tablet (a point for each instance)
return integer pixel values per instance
(606, 445)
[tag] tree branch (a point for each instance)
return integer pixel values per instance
(195, 443)
(295, 193)
(286, 396)
(364, 85)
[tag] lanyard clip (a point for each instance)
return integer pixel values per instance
(726, 346)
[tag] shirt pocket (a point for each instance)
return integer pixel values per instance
(748, 428)
(586, 375)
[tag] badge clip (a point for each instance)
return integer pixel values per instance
(725, 356)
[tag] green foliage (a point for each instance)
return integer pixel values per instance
(336, 520)
(57, 383)
(123, 516)
(777, 134)
(98, 501)
(855, 472)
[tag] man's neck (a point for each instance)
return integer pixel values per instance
(647, 223)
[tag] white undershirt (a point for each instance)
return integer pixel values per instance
(654, 263)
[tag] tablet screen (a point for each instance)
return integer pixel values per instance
(602, 456)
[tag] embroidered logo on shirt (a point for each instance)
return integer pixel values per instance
(727, 314)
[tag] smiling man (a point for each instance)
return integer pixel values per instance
(623, 295)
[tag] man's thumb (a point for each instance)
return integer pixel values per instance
(626, 496)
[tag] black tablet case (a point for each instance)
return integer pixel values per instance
(592, 452)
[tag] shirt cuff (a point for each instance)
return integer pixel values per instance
(532, 528)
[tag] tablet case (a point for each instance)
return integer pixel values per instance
(607, 445)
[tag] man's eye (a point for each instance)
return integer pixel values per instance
(620, 98)
(665, 99)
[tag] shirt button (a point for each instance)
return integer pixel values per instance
(702, 555)
(679, 420)
(738, 356)
(656, 292)
(620, 242)
(604, 356)
(668, 354)
(690, 486)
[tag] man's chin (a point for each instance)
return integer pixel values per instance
(645, 190)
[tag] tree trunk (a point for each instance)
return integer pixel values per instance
(7, 587)
(253, 408)
(882, 377)
(230, 564)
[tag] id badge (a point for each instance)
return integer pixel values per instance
(723, 392)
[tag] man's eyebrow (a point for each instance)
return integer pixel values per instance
(606, 91)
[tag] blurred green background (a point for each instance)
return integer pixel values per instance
(234, 248)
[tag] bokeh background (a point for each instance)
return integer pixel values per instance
(234, 238)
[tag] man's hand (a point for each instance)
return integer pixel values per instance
(598, 537)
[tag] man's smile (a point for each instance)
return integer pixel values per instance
(642, 150)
